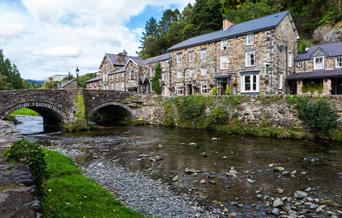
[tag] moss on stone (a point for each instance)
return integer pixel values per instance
(80, 121)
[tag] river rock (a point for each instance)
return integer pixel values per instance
(35, 205)
(3, 197)
(275, 211)
(175, 178)
(339, 176)
(232, 172)
(191, 171)
(160, 146)
(203, 181)
(278, 169)
(320, 208)
(250, 181)
(278, 202)
(280, 190)
(214, 139)
(300, 194)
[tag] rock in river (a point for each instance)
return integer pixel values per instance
(278, 169)
(278, 202)
(300, 194)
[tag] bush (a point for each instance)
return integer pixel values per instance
(32, 154)
(227, 92)
(190, 107)
(217, 116)
(155, 80)
(318, 116)
(214, 91)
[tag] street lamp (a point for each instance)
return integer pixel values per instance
(77, 73)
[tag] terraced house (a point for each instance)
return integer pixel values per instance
(130, 73)
(318, 71)
(251, 58)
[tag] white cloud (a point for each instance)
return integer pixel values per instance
(47, 37)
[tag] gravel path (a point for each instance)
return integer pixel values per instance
(151, 197)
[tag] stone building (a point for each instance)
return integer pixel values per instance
(251, 58)
(94, 83)
(318, 71)
(70, 84)
(149, 67)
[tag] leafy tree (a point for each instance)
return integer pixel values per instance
(82, 79)
(50, 84)
(155, 80)
(9, 75)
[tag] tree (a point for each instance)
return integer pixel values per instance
(156, 87)
(10, 75)
(50, 84)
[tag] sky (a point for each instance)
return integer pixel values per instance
(47, 37)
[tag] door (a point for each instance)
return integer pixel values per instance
(336, 86)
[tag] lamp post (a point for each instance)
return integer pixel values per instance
(77, 73)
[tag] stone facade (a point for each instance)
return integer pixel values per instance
(318, 71)
(234, 62)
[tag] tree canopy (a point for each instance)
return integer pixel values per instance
(10, 75)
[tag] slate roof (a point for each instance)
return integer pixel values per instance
(114, 59)
(93, 79)
(156, 59)
(259, 24)
(316, 74)
(331, 50)
(119, 70)
(66, 83)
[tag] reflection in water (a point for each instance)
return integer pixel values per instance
(30, 124)
(137, 149)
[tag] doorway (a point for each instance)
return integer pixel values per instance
(336, 86)
(222, 83)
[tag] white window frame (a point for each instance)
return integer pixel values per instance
(316, 67)
(299, 64)
(151, 72)
(252, 77)
(131, 75)
(179, 74)
(204, 88)
(224, 44)
(265, 68)
(203, 54)
(290, 59)
(179, 90)
(281, 81)
(203, 71)
(250, 39)
(163, 76)
(191, 56)
(337, 60)
(248, 62)
(224, 61)
(179, 58)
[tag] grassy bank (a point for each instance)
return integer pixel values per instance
(25, 111)
(68, 193)
(64, 190)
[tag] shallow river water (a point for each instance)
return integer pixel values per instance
(219, 170)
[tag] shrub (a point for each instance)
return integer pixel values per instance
(318, 116)
(227, 92)
(214, 91)
(32, 154)
(217, 116)
(190, 107)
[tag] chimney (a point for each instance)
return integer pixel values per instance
(121, 56)
(226, 24)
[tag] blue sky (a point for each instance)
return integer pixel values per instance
(46, 37)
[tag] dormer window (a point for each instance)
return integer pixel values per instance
(250, 39)
(319, 63)
(339, 62)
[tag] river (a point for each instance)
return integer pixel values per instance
(225, 172)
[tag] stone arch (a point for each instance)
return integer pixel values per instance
(52, 115)
(117, 111)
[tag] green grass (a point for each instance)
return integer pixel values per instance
(25, 111)
(68, 193)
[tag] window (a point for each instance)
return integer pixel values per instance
(224, 44)
(299, 64)
(151, 72)
(318, 63)
(131, 75)
(224, 62)
(249, 39)
(179, 90)
(204, 88)
(179, 58)
(267, 68)
(204, 54)
(163, 76)
(250, 83)
(203, 72)
(290, 58)
(191, 56)
(250, 59)
(191, 73)
(339, 62)
(280, 81)
(179, 74)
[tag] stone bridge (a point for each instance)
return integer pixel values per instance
(60, 106)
